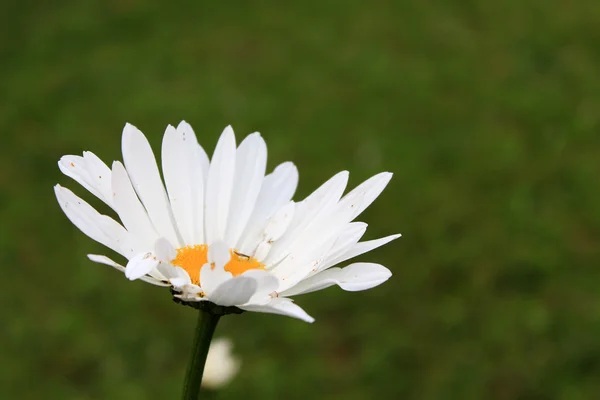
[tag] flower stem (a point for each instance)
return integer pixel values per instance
(207, 322)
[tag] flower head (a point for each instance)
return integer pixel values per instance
(221, 366)
(219, 229)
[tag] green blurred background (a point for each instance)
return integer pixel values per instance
(487, 112)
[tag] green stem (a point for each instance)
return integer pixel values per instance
(207, 322)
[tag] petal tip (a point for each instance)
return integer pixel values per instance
(129, 131)
(184, 125)
(128, 128)
(387, 176)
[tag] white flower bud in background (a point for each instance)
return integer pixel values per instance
(221, 366)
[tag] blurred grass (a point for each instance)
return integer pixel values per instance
(488, 113)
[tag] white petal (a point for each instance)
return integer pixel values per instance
(355, 277)
(346, 239)
(218, 254)
(74, 167)
(293, 272)
(177, 180)
(315, 206)
(145, 177)
(331, 223)
(201, 155)
(204, 161)
(361, 248)
(250, 164)
(299, 265)
(322, 200)
(106, 261)
(275, 227)
(183, 174)
(277, 189)
(199, 165)
(235, 291)
(367, 191)
(164, 250)
(266, 284)
(131, 211)
(100, 176)
(178, 277)
(327, 229)
(181, 281)
(261, 251)
(336, 222)
(77, 168)
(213, 274)
(279, 222)
(219, 187)
(281, 306)
(101, 228)
(140, 265)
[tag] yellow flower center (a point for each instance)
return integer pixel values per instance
(192, 258)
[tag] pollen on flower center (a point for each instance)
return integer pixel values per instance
(192, 258)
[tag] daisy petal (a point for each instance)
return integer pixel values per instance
(363, 247)
(183, 279)
(346, 239)
(100, 176)
(145, 177)
(266, 284)
(140, 265)
(317, 204)
(218, 254)
(177, 276)
(183, 174)
(106, 261)
(101, 228)
(78, 168)
(164, 250)
(219, 187)
(200, 155)
(279, 222)
(328, 229)
(321, 201)
(250, 164)
(235, 291)
(275, 227)
(299, 265)
(277, 189)
(199, 166)
(213, 274)
(281, 306)
(129, 208)
(368, 191)
(353, 278)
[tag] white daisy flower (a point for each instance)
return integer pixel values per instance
(222, 231)
(221, 365)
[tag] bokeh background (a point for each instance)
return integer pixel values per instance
(487, 112)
